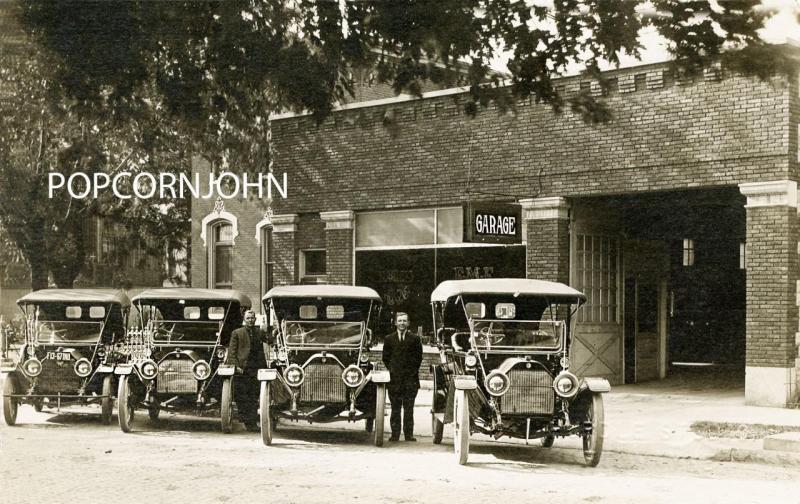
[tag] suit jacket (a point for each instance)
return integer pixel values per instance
(402, 359)
(241, 344)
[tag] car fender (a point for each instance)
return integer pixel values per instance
(599, 385)
(465, 382)
(227, 370)
(267, 374)
(123, 369)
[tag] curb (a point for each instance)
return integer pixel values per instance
(758, 457)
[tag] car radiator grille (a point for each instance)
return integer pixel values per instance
(56, 378)
(531, 393)
(323, 383)
(175, 377)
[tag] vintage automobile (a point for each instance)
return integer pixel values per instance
(70, 350)
(174, 355)
(321, 370)
(505, 352)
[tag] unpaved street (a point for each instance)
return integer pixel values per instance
(73, 458)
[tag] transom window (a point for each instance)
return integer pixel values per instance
(596, 276)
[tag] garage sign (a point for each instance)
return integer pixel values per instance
(492, 223)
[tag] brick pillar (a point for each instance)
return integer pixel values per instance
(547, 254)
(339, 246)
(284, 229)
(771, 259)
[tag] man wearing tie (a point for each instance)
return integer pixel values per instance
(402, 355)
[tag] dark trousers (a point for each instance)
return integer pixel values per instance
(402, 398)
(246, 387)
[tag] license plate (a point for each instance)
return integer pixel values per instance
(58, 356)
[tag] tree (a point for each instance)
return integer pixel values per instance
(223, 66)
(43, 130)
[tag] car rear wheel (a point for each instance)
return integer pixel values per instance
(107, 402)
(437, 429)
(461, 426)
(380, 411)
(10, 404)
(226, 405)
(125, 409)
(547, 441)
(593, 442)
(264, 412)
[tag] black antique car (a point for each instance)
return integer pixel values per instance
(321, 370)
(174, 353)
(505, 349)
(70, 350)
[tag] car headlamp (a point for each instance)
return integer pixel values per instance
(471, 360)
(32, 367)
(294, 375)
(566, 384)
(83, 367)
(496, 383)
(352, 376)
(149, 369)
(201, 370)
(101, 351)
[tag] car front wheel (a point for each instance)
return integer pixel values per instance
(380, 411)
(264, 412)
(593, 441)
(125, 407)
(226, 405)
(10, 404)
(107, 402)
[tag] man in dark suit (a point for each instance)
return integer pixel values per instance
(246, 352)
(402, 354)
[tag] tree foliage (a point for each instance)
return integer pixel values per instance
(221, 67)
(44, 130)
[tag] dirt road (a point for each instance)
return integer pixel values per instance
(73, 458)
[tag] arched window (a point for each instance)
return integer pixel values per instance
(221, 256)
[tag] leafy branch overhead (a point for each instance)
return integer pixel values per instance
(221, 67)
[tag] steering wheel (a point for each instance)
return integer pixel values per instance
(489, 337)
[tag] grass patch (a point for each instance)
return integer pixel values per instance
(715, 430)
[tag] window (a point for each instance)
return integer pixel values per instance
(505, 310)
(596, 276)
(308, 312)
(191, 312)
(222, 256)
(216, 313)
(475, 310)
(409, 228)
(742, 255)
(688, 252)
(334, 312)
(312, 263)
(97, 311)
(73, 312)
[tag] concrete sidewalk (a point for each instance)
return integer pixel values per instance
(655, 419)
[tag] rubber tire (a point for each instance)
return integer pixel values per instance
(593, 443)
(226, 406)
(107, 402)
(461, 426)
(124, 409)
(264, 413)
(547, 441)
(380, 412)
(10, 405)
(437, 429)
(369, 425)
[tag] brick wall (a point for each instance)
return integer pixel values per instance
(548, 250)
(772, 274)
(339, 246)
(667, 136)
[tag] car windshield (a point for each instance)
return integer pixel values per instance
(72, 331)
(517, 334)
(175, 331)
(316, 333)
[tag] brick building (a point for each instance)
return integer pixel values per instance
(679, 218)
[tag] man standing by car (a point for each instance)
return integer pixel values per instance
(246, 352)
(402, 354)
